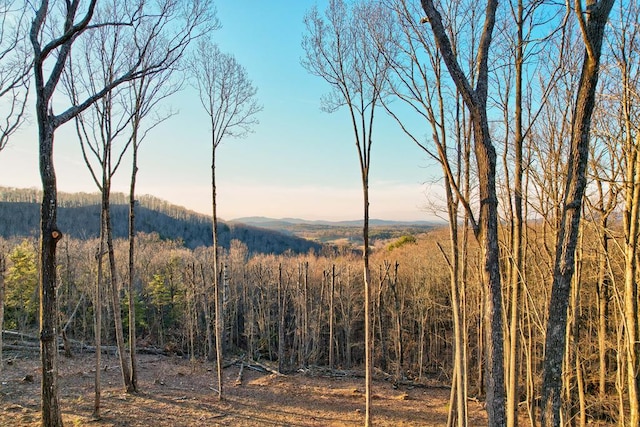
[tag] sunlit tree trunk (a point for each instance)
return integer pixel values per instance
(97, 318)
(217, 297)
(281, 319)
(487, 226)
(632, 230)
(340, 48)
(516, 236)
(206, 308)
(332, 290)
(555, 343)
(115, 292)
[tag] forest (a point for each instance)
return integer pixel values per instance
(79, 216)
(527, 299)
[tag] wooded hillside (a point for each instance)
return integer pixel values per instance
(79, 217)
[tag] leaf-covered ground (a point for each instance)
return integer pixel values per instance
(176, 392)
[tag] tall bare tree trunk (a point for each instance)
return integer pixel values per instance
(331, 316)
(97, 318)
(602, 297)
(207, 315)
(486, 229)
(49, 237)
(555, 343)
(2, 292)
(281, 319)
(115, 295)
(368, 336)
(132, 268)
(631, 215)
(393, 286)
(306, 314)
(217, 297)
(632, 228)
(516, 237)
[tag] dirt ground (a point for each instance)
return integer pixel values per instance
(176, 392)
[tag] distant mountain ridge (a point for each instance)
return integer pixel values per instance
(79, 217)
(265, 221)
(340, 233)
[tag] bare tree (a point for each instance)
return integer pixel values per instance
(341, 49)
(486, 227)
(99, 130)
(417, 79)
(114, 120)
(2, 271)
(15, 67)
(529, 37)
(56, 26)
(143, 99)
(615, 158)
(627, 45)
(592, 23)
(229, 98)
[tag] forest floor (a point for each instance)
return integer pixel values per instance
(176, 392)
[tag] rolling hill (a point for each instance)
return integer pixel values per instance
(79, 217)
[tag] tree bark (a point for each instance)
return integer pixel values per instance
(97, 318)
(49, 237)
(368, 336)
(217, 298)
(2, 292)
(207, 315)
(512, 394)
(115, 291)
(602, 298)
(632, 228)
(555, 342)
(281, 320)
(132, 268)
(487, 228)
(332, 290)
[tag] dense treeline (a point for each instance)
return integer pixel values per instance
(79, 216)
(263, 295)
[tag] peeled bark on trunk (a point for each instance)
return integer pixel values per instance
(555, 342)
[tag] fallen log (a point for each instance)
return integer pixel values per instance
(13, 347)
(19, 335)
(255, 365)
(239, 379)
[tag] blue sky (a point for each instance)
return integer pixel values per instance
(300, 161)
